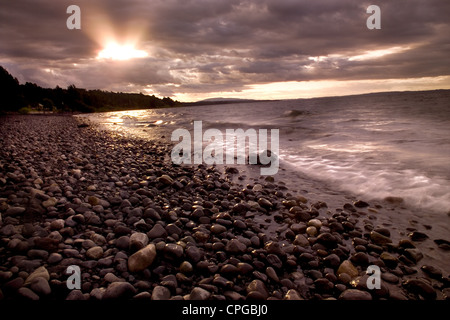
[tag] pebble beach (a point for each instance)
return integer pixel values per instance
(140, 227)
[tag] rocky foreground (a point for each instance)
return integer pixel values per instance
(139, 227)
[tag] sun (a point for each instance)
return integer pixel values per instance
(115, 51)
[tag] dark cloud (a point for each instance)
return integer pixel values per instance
(199, 46)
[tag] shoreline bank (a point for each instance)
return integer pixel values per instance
(87, 197)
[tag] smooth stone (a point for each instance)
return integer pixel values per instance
(355, 294)
(420, 287)
(174, 250)
(50, 202)
(348, 268)
(413, 254)
(258, 286)
(311, 231)
(76, 295)
(327, 239)
(379, 239)
(186, 267)
(95, 253)
(27, 294)
(292, 294)
(418, 236)
(39, 272)
(40, 286)
(218, 228)
(157, 231)
(142, 259)
(300, 240)
(165, 179)
(57, 224)
(389, 260)
(138, 240)
(199, 294)
(235, 246)
(119, 290)
(433, 272)
(194, 254)
(160, 293)
(14, 211)
(332, 260)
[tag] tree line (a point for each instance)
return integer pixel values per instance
(28, 97)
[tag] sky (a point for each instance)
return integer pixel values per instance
(257, 49)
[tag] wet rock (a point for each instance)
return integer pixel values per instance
(274, 260)
(433, 272)
(300, 240)
(186, 267)
(292, 294)
(389, 260)
(327, 239)
(173, 250)
(348, 268)
(413, 254)
(355, 294)
(379, 239)
(218, 228)
(360, 258)
(257, 289)
(420, 287)
(165, 180)
(360, 204)
(332, 261)
(142, 259)
(235, 246)
(417, 236)
(443, 244)
(194, 254)
(119, 290)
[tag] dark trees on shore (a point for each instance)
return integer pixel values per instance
(15, 97)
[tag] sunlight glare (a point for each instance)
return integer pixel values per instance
(115, 51)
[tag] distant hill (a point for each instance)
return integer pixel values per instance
(215, 101)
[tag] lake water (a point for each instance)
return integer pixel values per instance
(373, 146)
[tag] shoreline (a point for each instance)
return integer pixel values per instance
(210, 235)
